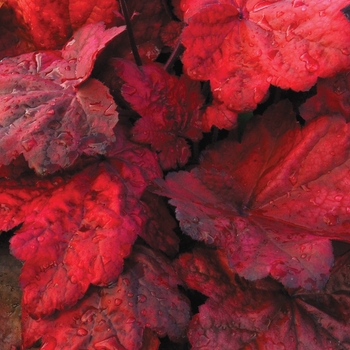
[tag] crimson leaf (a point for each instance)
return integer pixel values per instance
(144, 296)
(244, 46)
(263, 315)
(76, 230)
(273, 201)
(50, 111)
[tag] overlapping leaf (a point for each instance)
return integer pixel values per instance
(78, 229)
(244, 46)
(169, 108)
(51, 23)
(159, 229)
(145, 296)
(262, 315)
(50, 111)
(273, 201)
(333, 96)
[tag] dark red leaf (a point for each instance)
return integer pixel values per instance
(50, 111)
(333, 96)
(145, 296)
(52, 22)
(13, 38)
(262, 315)
(273, 201)
(243, 47)
(169, 108)
(76, 230)
(159, 229)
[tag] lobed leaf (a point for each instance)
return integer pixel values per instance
(169, 109)
(50, 111)
(274, 201)
(145, 296)
(76, 230)
(243, 47)
(258, 315)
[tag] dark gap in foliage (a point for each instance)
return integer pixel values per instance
(167, 344)
(340, 247)
(196, 298)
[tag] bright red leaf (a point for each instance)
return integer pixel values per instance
(263, 315)
(50, 111)
(333, 96)
(144, 296)
(244, 46)
(76, 230)
(273, 201)
(52, 22)
(169, 106)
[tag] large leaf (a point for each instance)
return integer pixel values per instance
(273, 201)
(145, 296)
(263, 315)
(50, 111)
(76, 230)
(244, 46)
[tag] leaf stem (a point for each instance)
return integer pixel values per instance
(178, 50)
(130, 33)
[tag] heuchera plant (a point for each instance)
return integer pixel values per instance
(107, 108)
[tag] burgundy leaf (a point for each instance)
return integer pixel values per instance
(169, 108)
(145, 296)
(159, 229)
(273, 201)
(262, 315)
(49, 111)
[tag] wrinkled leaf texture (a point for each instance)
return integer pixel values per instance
(263, 315)
(244, 46)
(273, 201)
(52, 23)
(169, 107)
(76, 230)
(145, 296)
(50, 111)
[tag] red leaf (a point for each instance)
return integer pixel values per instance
(159, 229)
(262, 315)
(333, 96)
(76, 230)
(49, 111)
(145, 295)
(169, 108)
(51, 23)
(273, 201)
(243, 47)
